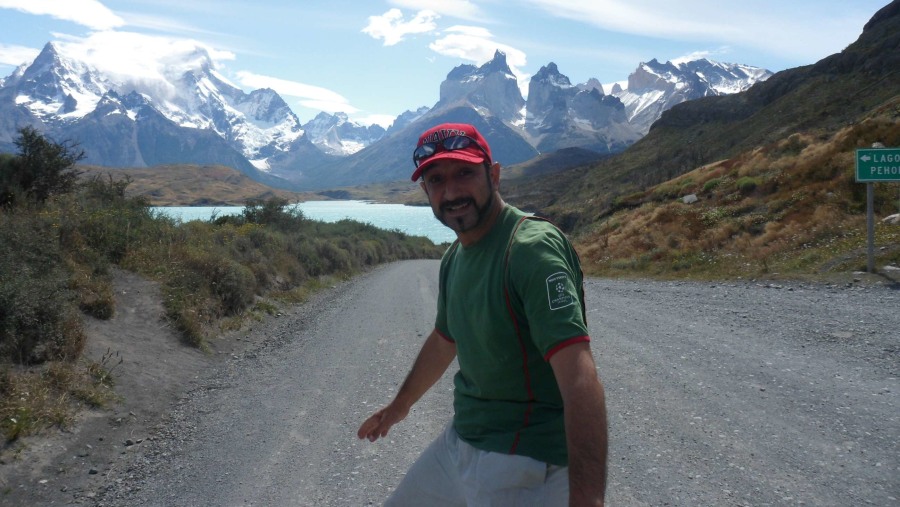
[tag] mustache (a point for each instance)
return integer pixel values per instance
(457, 202)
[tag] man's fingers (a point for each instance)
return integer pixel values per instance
(372, 427)
(368, 426)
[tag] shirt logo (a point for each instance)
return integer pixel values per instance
(560, 291)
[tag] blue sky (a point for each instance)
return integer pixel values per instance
(376, 59)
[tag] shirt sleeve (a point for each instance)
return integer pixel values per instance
(546, 286)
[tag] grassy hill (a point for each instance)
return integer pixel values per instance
(789, 207)
(191, 185)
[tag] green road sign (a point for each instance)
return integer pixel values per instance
(878, 164)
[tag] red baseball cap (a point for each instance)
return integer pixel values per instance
(473, 153)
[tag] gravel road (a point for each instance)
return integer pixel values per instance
(718, 393)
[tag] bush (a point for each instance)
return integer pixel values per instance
(711, 184)
(38, 320)
(747, 184)
(42, 169)
(274, 212)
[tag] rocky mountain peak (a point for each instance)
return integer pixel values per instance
(336, 134)
(655, 87)
(497, 64)
(592, 84)
(560, 115)
(550, 74)
(492, 87)
(57, 86)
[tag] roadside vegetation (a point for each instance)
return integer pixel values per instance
(790, 209)
(62, 238)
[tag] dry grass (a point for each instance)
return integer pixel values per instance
(191, 185)
(792, 207)
(35, 399)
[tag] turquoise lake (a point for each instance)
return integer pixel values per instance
(413, 220)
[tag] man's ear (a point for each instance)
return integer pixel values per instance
(495, 174)
(422, 184)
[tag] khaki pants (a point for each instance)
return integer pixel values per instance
(453, 473)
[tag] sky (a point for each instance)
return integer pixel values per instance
(376, 59)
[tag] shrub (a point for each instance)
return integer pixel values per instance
(38, 321)
(747, 184)
(41, 169)
(274, 212)
(711, 184)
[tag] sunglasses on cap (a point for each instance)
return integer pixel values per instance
(427, 150)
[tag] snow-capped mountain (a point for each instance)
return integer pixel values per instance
(562, 115)
(189, 113)
(59, 92)
(655, 87)
(335, 134)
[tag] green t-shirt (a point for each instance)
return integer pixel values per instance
(506, 398)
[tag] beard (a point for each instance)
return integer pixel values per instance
(468, 221)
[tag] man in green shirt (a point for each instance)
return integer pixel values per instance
(529, 425)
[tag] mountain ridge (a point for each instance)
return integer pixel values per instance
(820, 99)
(260, 136)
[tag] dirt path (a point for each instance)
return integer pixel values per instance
(719, 394)
(156, 371)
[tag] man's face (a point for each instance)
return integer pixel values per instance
(460, 194)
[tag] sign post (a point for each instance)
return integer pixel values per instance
(875, 164)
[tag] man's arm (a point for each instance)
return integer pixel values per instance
(436, 355)
(585, 412)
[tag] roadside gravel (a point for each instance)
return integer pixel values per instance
(718, 394)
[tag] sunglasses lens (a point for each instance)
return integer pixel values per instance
(425, 151)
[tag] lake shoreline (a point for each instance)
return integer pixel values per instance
(409, 219)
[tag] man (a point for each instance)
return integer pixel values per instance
(529, 425)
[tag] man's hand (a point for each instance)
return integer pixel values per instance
(378, 425)
(436, 355)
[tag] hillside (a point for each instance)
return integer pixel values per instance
(773, 168)
(789, 207)
(821, 99)
(191, 185)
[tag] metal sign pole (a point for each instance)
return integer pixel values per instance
(875, 164)
(870, 225)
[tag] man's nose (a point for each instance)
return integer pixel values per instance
(453, 188)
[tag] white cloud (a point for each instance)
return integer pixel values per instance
(392, 26)
(462, 9)
(477, 45)
(313, 97)
(138, 56)
(89, 13)
(654, 18)
(696, 55)
(163, 24)
(17, 55)
(773, 26)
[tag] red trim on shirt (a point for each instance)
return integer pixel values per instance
(525, 372)
(564, 344)
(451, 340)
